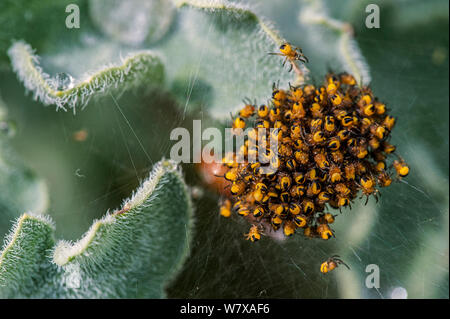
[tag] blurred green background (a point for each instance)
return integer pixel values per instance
(405, 233)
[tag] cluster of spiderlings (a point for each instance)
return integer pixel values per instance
(332, 144)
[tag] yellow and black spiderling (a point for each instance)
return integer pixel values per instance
(332, 263)
(291, 54)
(333, 147)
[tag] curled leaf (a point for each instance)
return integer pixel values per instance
(65, 92)
(225, 45)
(130, 253)
(336, 38)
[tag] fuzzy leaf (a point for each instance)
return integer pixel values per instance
(337, 44)
(138, 68)
(130, 253)
(329, 43)
(134, 21)
(30, 20)
(219, 49)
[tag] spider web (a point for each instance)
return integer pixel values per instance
(405, 234)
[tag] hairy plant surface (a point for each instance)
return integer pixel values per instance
(85, 113)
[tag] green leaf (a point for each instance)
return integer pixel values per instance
(21, 266)
(223, 47)
(393, 14)
(87, 63)
(327, 41)
(134, 21)
(66, 92)
(30, 20)
(129, 253)
(20, 189)
(337, 44)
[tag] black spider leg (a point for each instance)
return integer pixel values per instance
(339, 261)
